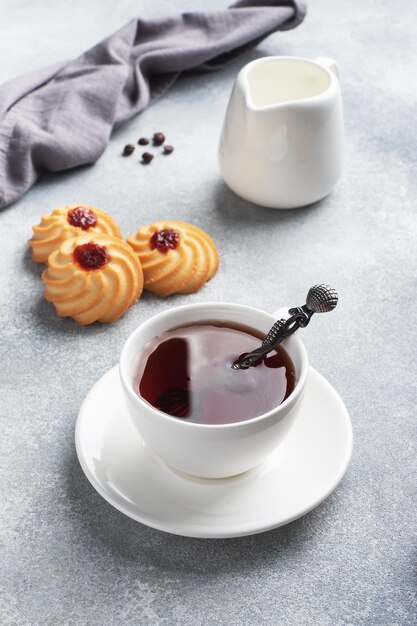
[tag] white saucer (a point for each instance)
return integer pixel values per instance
(296, 478)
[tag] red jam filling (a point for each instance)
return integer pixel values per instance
(91, 256)
(164, 240)
(82, 218)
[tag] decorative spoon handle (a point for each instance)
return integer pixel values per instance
(320, 299)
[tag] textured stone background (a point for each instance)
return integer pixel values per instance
(67, 556)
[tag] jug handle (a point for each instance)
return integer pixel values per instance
(329, 64)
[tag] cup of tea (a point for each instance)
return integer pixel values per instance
(282, 141)
(197, 413)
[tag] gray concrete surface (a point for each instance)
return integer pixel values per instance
(70, 558)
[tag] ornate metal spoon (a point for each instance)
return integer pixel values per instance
(320, 299)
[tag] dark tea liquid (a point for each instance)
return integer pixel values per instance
(187, 373)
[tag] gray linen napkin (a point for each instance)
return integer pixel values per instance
(62, 116)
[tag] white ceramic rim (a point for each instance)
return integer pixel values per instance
(126, 375)
(299, 102)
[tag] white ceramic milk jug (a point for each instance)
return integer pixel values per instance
(282, 139)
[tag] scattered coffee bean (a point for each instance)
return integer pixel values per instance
(147, 157)
(168, 149)
(158, 139)
(128, 150)
(143, 141)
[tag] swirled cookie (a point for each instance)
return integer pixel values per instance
(66, 222)
(176, 257)
(93, 278)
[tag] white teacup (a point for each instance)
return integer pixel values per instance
(207, 450)
(282, 141)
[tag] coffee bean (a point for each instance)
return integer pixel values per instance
(143, 141)
(158, 139)
(147, 157)
(168, 149)
(128, 150)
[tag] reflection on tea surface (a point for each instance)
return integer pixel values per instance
(187, 373)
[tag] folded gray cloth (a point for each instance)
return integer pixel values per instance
(62, 116)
